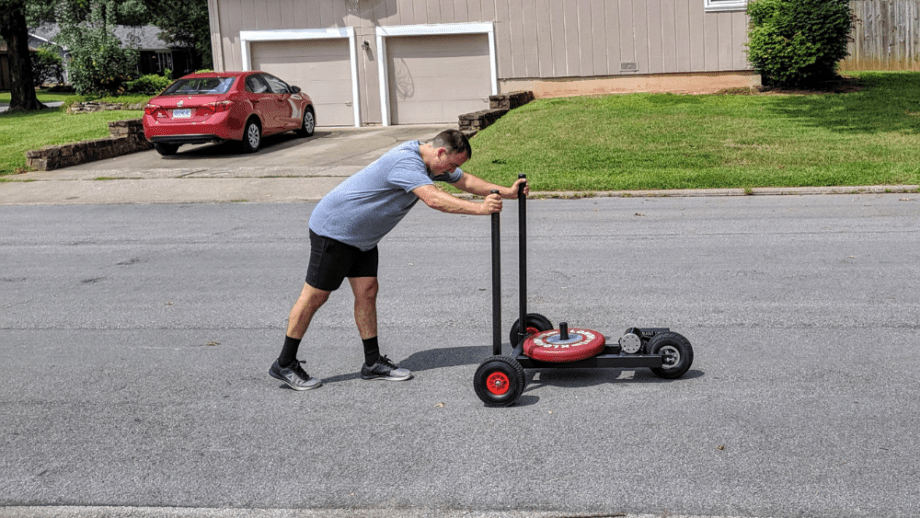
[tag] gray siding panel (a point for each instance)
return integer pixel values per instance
(534, 38)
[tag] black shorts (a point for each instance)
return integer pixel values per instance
(331, 261)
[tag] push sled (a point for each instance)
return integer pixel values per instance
(500, 379)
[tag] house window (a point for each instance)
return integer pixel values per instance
(725, 5)
(164, 61)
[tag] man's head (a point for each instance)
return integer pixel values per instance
(450, 149)
(454, 142)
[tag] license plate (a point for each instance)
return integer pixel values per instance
(182, 113)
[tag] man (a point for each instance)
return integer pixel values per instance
(347, 224)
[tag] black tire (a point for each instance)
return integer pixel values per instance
(499, 381)
(252, 136)
(534, 320)
(166, 149)
(677, 351)
(308, 124)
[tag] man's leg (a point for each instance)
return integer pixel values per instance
(287, 368)
(375, 366)
(310, 300)
(365, 290)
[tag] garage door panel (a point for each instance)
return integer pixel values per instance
(434, 79)
(436, 88)
(320, 67)
(446, 111)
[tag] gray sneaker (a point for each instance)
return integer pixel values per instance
(294, 376)
(384, 369)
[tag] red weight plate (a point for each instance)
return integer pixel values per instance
(549, 347)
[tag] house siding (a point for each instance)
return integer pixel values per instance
(535, 40)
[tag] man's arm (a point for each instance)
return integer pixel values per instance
(475, 185)
(444, 202)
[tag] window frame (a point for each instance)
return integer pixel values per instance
(714, 6)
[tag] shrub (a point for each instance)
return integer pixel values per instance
(150, 84)
(798, 42)
(47, 66)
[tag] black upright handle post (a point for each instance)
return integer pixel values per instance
(496, 284)
(522, 258)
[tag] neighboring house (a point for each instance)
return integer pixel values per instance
(155, 55)
(428, 61)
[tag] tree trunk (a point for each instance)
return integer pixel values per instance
(16, 34)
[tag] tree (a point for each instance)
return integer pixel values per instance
(184, 23)
(15, 33)
(99, 63)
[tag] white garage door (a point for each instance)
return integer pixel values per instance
(434, 79)
(320, 67)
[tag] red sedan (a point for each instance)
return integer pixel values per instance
(220, 106)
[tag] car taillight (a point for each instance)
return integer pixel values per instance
(217, 107)
(154, 110)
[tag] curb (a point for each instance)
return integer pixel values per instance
(700, 193)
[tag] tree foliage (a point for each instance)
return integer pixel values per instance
(798, 42)
(99, 62)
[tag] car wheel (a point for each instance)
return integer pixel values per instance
(308, 125)
(252, 136)
(166, 149)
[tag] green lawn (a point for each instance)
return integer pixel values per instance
(20, 132)
(666, 141)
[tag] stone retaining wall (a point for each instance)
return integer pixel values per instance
(127, 137)
(471, 123)
(93, 106)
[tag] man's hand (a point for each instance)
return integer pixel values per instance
(512, 192)
(492, 204)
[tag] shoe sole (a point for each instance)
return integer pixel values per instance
(295, 387)
(386, 378)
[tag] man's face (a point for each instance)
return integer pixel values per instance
(447, 163)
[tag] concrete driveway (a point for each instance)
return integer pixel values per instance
(287, 168)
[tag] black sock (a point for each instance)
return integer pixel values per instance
(289, 351)
(371, 351)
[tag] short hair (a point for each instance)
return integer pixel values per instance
(453, 141)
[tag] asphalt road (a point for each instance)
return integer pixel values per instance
(135, 342)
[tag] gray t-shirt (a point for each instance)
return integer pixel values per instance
(367, 205)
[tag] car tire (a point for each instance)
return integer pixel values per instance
(166, 149)
(308, 125)
(252, 136)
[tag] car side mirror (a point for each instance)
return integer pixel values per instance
(295, 89)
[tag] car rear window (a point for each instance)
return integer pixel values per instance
(200, 86)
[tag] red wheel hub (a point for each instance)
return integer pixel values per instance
(498, 383)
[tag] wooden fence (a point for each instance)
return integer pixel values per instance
(886, 36)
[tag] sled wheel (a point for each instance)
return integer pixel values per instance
(535, 324)
(677, 352)
(499, 381)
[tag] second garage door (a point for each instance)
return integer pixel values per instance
(434, 79)
(320, 67)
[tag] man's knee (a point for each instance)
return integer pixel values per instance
(365, 288)
(312, 297)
